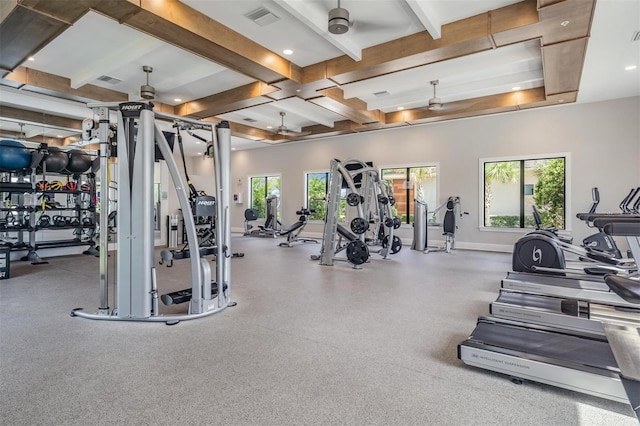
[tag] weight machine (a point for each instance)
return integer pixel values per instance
(272, 225)
(449, 227)
(372, 204)
(135, 282)
(293, 232)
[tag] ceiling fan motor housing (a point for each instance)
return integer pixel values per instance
(338, 20)
(147, 91)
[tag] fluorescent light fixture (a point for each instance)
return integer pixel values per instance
(178, 100)
(630, 67)
(287, 52)
(400, 108)
(31, 58)
(515, 88)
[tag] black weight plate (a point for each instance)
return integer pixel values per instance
(389, 222)
(396, 245)
(353, 199)
(382, 199)
(359, 225)
(357, 252)
(396, 222)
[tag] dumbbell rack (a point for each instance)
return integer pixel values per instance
(23, 211)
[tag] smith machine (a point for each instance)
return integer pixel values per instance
(135, 282)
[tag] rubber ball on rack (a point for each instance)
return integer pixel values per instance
(43, 185)
(79, 161)
(54, 161)
(71, 186)
(13, 156)
(85, 187)
(55, 185)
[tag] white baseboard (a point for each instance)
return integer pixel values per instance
(462, 245)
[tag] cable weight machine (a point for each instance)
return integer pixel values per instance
(135, 281)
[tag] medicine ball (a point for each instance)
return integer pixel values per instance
(71, 186)
(13, 156)
(55, 161)
(79, 161)
(43, 185)
(56, 185)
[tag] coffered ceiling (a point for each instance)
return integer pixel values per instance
(223, 60)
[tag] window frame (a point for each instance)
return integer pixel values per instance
(306, 188)
(521, 158)
(265, 176)
(407, 167)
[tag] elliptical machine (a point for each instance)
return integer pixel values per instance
(602, 241)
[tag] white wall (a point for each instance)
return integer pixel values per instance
(603, 140)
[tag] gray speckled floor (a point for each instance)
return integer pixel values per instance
(306, 345)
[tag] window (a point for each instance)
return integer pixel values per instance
(411, 183)
(511, 187)
(317, 187)
(261, 188)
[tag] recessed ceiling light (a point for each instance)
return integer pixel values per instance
(515, 88)
(287, 52)
(198, 142)
(269, 127)
(233, 149)
(178, 100)
(564, 23)
(198, 153)
(630, 67)
(31, 58)
(59, 136)
(298, 90)
(400, 108)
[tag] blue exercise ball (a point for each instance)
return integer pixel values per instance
(13, 156)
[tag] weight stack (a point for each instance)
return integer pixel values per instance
(419, 226)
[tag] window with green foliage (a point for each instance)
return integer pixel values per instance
(261, 187)
(317, 187)
(409, 184)
(512, 187)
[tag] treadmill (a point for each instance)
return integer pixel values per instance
(604, 364)
(566, 313)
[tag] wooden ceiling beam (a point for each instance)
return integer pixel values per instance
(178, 24)
(491, 104)
(354, 109)
(54, 85)
(46, 119)
(562, 65)
(23, 32)
(460, 38)
(231, 100)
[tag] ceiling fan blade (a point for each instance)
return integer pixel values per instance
(287, 132)
(362, 27)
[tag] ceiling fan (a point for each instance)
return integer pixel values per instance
(338, 20)
(435, 103)
(147, 91)
(284, 131)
